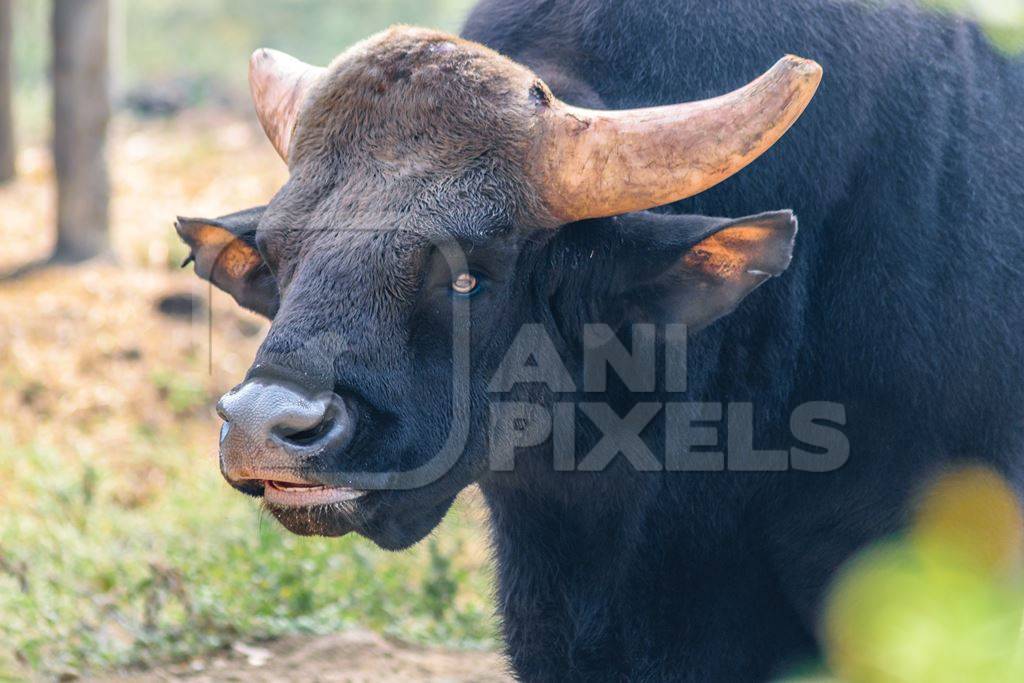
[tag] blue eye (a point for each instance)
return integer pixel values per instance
(465, 284)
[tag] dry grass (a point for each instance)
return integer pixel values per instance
(85, 351)
(119, 544)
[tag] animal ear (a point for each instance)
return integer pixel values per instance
(224, 251)
(719, 263)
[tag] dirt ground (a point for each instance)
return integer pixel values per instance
(351, 657)
(101, 360)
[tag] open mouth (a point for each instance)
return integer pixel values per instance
(290, 494)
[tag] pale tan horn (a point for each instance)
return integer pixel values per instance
(279, 85)
(590, 164)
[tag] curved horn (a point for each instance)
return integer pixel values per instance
(591, 164)
(279, 85)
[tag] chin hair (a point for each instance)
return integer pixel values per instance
(319, 520)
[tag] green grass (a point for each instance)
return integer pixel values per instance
(89, 580)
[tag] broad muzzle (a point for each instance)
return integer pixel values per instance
(273, 431)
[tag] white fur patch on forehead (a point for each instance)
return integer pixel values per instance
(443, 46)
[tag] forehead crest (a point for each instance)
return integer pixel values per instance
(411, 88)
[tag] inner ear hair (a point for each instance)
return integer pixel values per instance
(760, 245)
(225, 254)
(676, 268)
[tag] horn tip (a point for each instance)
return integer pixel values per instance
(262, 54)
(263, 61)
(802, 66)
(267, 63)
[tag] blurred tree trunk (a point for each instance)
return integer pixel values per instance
(6, 93)
(81, 112)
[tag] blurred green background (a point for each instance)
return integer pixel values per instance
(208, 39)
(195, 51)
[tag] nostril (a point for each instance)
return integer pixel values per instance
(275, 419)
(305, 437)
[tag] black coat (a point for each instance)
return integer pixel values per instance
(904, 304)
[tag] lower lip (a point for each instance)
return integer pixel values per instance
(306, 496)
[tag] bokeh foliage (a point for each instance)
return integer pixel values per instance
(1003, 20)
(202, 46)
(941, 603)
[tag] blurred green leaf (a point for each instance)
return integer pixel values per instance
(1002, 20)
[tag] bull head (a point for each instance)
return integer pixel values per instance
(414, 139)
